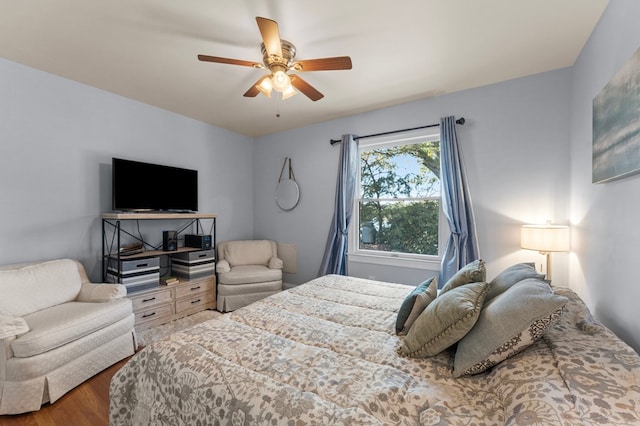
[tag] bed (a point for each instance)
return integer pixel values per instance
(326, 352)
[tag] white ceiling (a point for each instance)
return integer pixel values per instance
(401, 50)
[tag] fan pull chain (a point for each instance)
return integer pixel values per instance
(278, 98)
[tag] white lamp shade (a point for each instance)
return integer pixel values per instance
(288, 92)
(545, 238)
(265, 86)
(281, 81)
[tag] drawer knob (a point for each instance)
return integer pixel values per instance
(149, 299)
(196, 301)
(195, 288)
(148, 315)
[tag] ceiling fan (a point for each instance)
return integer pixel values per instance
(278, 56)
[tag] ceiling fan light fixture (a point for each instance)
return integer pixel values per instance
(288, 92)
(265, 86)
(281, 81)
(278, 57)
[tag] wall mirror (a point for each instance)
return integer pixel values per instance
(287, 190)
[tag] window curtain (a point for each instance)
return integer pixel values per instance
(334, 260)
(462, 246)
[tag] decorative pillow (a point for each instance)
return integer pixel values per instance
(512, 275)
(508, 324)
(473, 272)
(445, 321)
(414, 304)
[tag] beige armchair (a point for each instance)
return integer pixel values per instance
(57, 330)
(248, 271)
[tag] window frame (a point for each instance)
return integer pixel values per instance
(406, 260)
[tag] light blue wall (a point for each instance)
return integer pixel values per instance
(516, 149)
(57, 138)
(606, 235)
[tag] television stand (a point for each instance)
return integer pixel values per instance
(112, 221)
(163, 303)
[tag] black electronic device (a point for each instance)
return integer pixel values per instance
(198, 241)
(138, 186)
(169, 240)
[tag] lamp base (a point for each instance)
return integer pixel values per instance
(548, 256)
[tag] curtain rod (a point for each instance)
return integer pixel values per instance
(460, 121)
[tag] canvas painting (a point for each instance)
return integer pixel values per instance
(616, 125)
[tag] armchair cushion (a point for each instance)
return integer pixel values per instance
(65, 323)
(101, 292)
(249, 274)
(39, 286)
(12, 326)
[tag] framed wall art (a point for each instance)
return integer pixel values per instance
(616, 125)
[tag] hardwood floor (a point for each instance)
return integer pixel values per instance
(88, 404)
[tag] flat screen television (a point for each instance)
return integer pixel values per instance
(138, 186)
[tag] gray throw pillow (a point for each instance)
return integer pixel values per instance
(414, 304)
(473, 272)
(509, 323)
(513, 274)
(445, 321)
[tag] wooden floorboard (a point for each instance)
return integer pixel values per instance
(86, 405)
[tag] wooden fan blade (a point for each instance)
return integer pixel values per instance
(220, 60)
(324, 64)
(308, 90)
(253, 91)
(270, 36)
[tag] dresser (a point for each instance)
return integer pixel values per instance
(169, 302)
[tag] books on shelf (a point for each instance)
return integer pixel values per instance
(131, 249)
(169, 280)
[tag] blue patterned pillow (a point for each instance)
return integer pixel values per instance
(507, 324)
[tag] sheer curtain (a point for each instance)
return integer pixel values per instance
(334, 260)
(462, 246)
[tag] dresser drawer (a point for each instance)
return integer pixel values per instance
(196, 301)
(150, 298)
(155, 313)
(194, 287)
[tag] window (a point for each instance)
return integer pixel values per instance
(397, 216)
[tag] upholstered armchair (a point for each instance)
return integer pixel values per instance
(57, 330)
(248, 271)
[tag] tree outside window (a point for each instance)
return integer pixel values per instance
(399, 198)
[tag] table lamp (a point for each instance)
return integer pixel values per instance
(545, 238)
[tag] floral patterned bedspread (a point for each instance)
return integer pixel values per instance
(324, 353)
